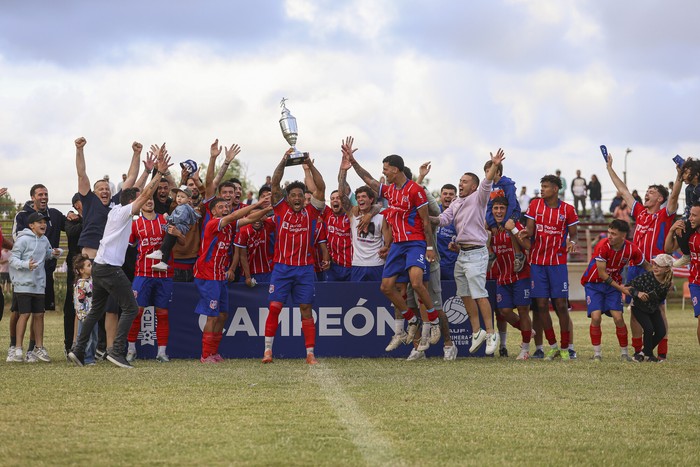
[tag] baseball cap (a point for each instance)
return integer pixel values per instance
(184, 189)
(35, 217)
(663, 260)
(106, 177)
(189, 165)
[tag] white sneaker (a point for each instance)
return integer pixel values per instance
(160, 266)
(130, 356)
(396, 341)
(10, 354)
(434, 334)
(450, 352)
(31, 357)
(492, 343)
(155, 255)
(478, 339)
(424, 344)
(523, 355)
(41, 354)
(682, 261)
(411, 331)
(416, 355)
(17, 355)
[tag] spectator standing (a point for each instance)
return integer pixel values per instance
(524, 202)
(579, 189)
(616, 202)
(120, 185)
(112, 188)
(74, 226)
(562, 190)
(595, 194)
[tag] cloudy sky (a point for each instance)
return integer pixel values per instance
(445, 81)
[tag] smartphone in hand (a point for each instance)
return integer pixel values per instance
(604, 150)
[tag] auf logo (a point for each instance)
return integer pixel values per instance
(147, 334)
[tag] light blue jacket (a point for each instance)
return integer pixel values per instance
(29, 246)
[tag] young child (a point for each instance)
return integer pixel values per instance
(649, 292)
(28, 276)
(182, 218)
(82, 301)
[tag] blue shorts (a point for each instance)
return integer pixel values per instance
(295, 280)
(337, 273)
(366, 273)
(513, 295)
(549, 281)
(404, 255)
(632, 272)
(156, 291)
(404, 279)
(695, 298)
(603, 297)
(213, 297)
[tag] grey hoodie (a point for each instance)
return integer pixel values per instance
(29, 246)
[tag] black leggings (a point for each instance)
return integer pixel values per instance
(654, 329)
(684, 240)
(167, 246)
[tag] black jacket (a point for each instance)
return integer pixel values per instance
(55, 222)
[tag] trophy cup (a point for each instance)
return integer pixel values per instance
(288, 124)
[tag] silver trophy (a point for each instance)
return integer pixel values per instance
(288, 124)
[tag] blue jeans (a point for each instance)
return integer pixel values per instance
(91, 345)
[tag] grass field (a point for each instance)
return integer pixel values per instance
(358, 412)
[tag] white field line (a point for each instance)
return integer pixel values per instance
(376, 449)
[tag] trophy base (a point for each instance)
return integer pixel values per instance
(296, 158)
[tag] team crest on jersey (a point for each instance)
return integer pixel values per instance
(561, 217)
(540, 227)
(285, 224)
(213, 304)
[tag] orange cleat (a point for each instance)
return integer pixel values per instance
(310, 359)
(267, 356)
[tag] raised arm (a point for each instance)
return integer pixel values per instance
(133, 171)
(230, 154)
(275, 187)
(496, 162)
(671, 242)
(343, 187)
(349, 152)
(83, 180)
(214, 152)
(148, 165)
(423, 171)
(619, 184)
(319, 190)
(672, 205)
(147, 193)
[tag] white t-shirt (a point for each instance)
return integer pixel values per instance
(365, 247)
(115, 240)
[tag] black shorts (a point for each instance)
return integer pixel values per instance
(29, 302)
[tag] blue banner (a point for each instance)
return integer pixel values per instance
(352, 320)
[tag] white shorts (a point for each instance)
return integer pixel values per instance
(470, 273)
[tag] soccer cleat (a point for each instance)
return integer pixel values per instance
(267, 356)
(638, 357)
(572, 354)
(539, 354)
(41, 354)
(653, 359)
(416, 355)
(662, 357)
(10, 354)
(100, 354)
(523, 355)
(31, 357)
(424, 344)
(434, 334)
(131, 356)
(682, 261)
(503, 352)
(218, 358)
(625, 358)
(478, 339)
(17, 356)
(209, 359)
(310, 359)
(597, 358)
(492, 343)
(411, 331)
(77, 358)
(118, 360)
(157, 254)
(552, 354)
(396, 341)
(564, 354)
(162, 267)
(162, 358)
(450, 352)
(519, 262)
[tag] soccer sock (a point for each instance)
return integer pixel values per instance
(268, 342)
(525, 346)
(526, 335)
(161, 350)
(503, 336)
(637, 343)
(398, 325)
(539, 347)
(31, 345)
(309, 329)
(309, 350)
(207, 344)
(622, 337)
(162, 327)
(663, 346)
(135, 327)
(272, 320)
(426, 330)
(410, 315)
(132, 346)
(551, 337)
(565, 339)
(596, 335)
(433, 316)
